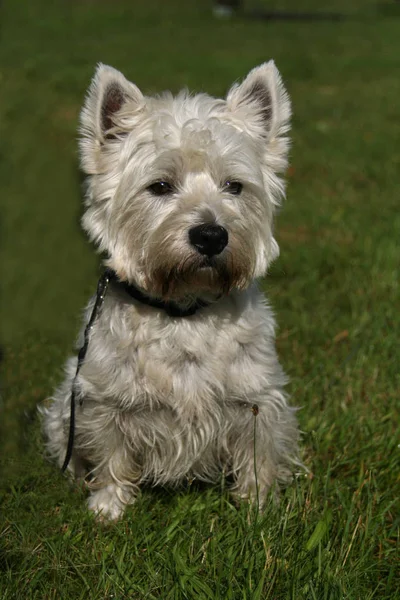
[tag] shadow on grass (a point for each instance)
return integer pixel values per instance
(280, 15)
(385, 9)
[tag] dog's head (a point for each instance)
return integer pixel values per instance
(182, 189)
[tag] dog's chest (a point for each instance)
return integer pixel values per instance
(193, 365)
(181, 361)
(194, 361)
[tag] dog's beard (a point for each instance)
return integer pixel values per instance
(196, 274)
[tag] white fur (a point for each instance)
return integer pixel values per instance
(171, 397)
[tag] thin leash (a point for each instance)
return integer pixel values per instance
(102, 287)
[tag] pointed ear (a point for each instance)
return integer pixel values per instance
(261, 102)
(107, 95)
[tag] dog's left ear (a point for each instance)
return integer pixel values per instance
(108, 94)
(261, 105)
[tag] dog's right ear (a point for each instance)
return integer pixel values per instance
(108, 93)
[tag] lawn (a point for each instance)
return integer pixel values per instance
(335, 291)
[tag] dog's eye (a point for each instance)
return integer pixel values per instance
(233, 187)
(160, 188)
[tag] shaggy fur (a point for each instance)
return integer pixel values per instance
(171, 397)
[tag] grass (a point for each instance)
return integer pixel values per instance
(335, 290)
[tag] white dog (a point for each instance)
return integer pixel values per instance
(181, 377)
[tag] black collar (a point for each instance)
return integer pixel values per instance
(171, 308)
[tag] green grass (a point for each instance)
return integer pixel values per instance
(335, 290)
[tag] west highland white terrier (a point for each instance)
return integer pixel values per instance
(181, 377)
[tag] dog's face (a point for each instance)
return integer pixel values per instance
(182, 190)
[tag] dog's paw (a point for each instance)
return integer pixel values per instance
(250, 497)
(255, 495)
(106, 503)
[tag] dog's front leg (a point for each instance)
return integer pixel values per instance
(253, 468)
(263, 447)
(113, 487)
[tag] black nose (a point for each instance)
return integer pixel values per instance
(208, 239)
